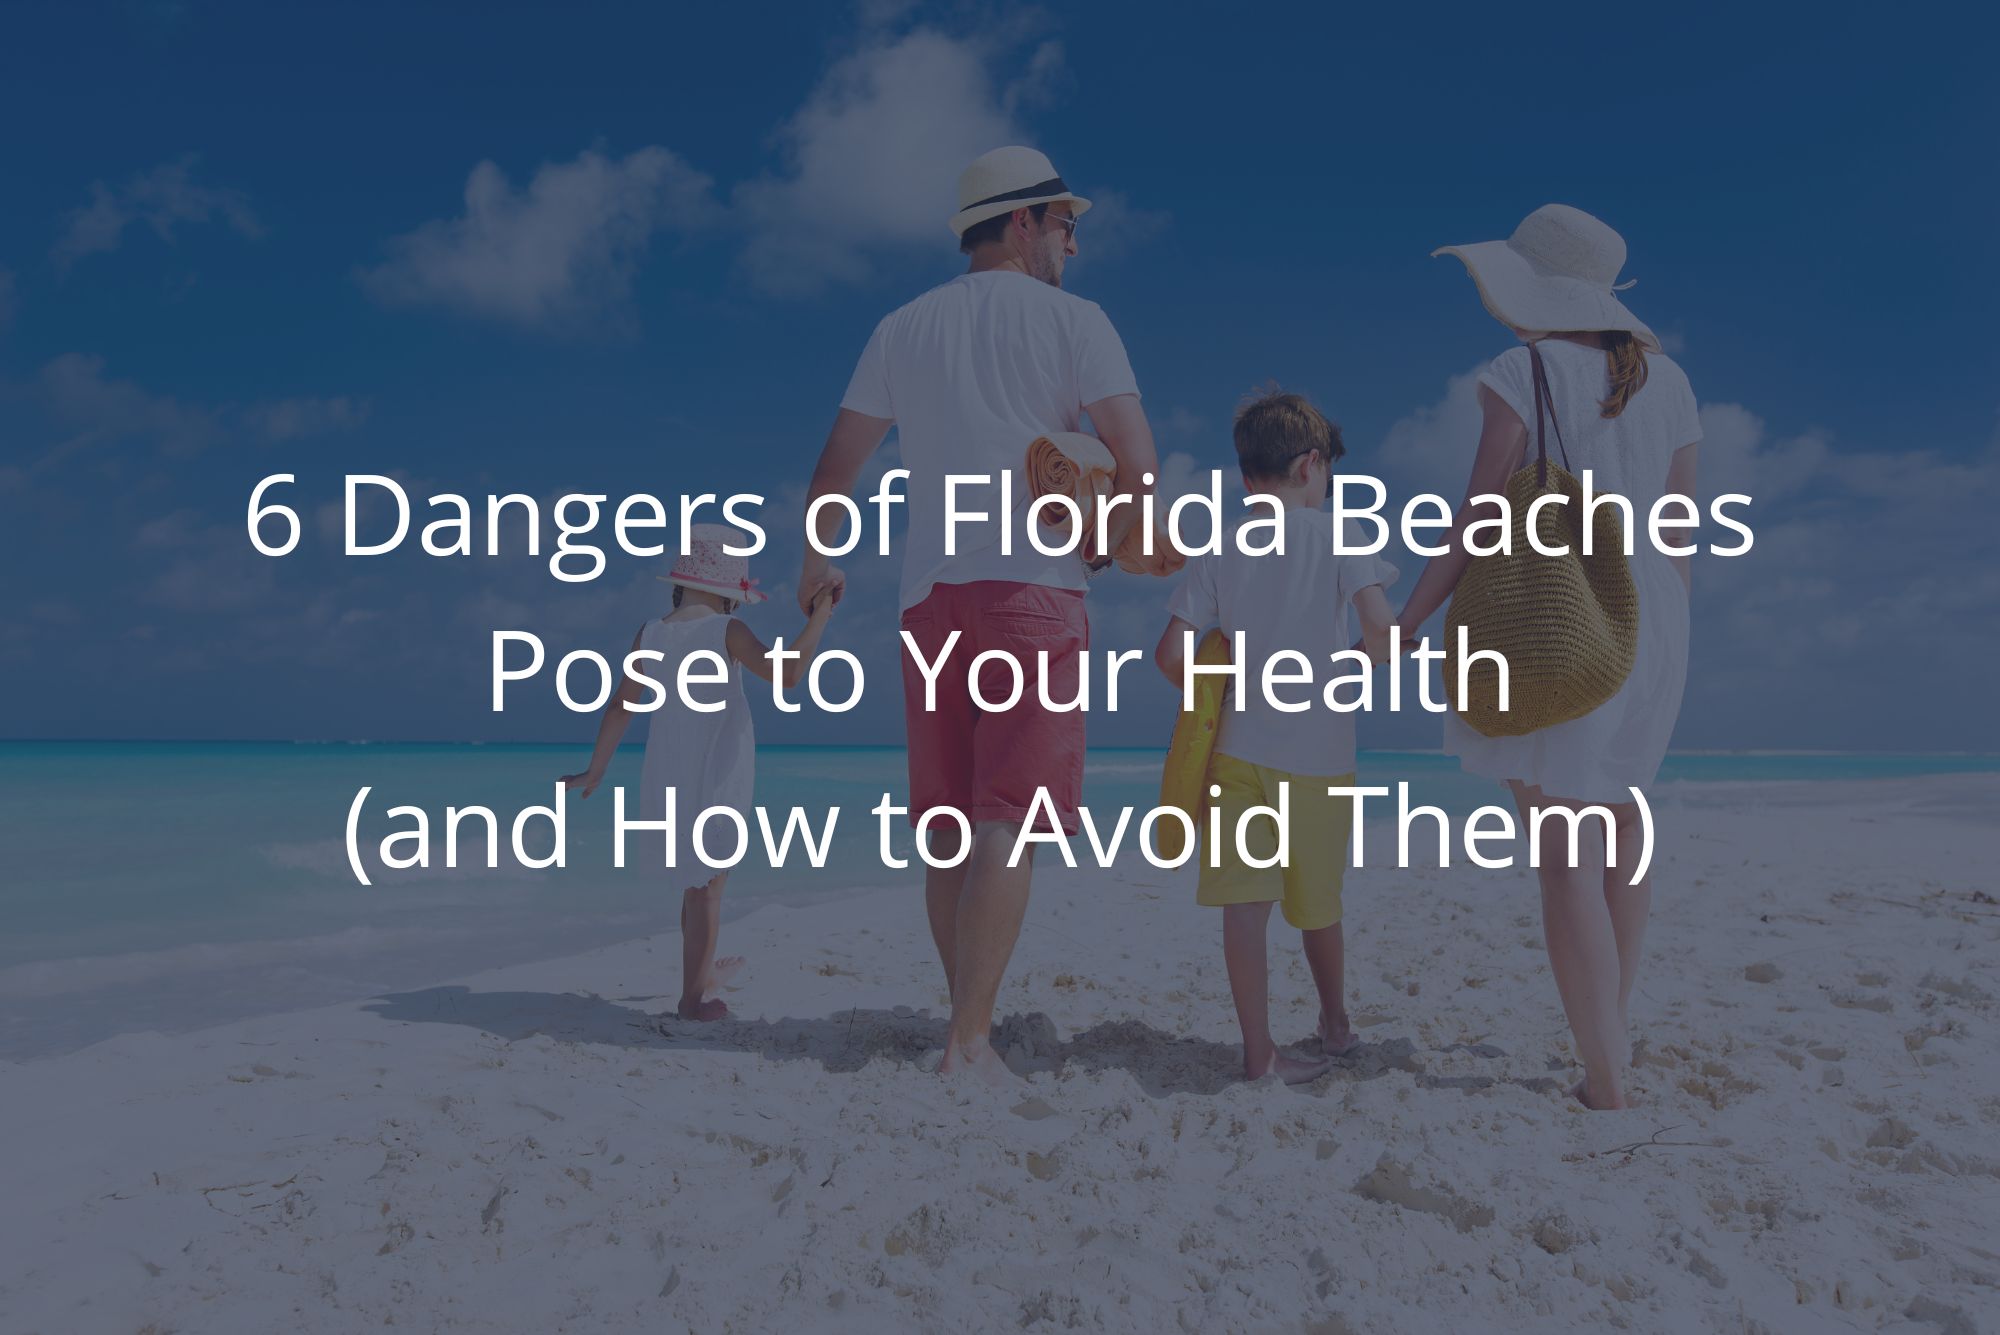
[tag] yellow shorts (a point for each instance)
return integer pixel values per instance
(1320, 826)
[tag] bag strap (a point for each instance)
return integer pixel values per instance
(1544, 396)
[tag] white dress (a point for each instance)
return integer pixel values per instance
(1618, 745)
(709, 759)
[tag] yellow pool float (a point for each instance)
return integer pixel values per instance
(1184, 777)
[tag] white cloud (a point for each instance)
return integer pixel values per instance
(565, 245)
(290, 419)
(89, 408)
(868, 167)
(95, 408)
(1115, 225)
(189, 565)
(162, 198)
(871, 160)
(1431, 448)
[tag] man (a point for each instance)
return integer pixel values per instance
(970, 373)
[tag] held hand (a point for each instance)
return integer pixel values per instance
(822, 605)
(585, 782)
(831, 581)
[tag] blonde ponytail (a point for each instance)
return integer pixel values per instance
(1626, 362)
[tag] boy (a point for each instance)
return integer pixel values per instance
(1297, 600)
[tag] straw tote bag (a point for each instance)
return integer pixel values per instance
(1568, 626)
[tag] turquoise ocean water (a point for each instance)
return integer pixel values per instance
(164, 885)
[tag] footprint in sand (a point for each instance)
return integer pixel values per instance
(1718, 1085)
(1891, 1133)
(1389, 1182)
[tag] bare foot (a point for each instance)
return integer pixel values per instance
(1580, 1091)
(1291, 1070)
(1336, 1036)
(979, 1061)
(722, 973)
(702, 1009)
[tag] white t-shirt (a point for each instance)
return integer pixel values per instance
(971, 372)
(1295, 601)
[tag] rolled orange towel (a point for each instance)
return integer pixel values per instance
(1080, 466)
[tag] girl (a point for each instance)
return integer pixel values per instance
(708, 758)
(1627, 414)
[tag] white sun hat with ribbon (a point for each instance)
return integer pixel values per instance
(1007, 179)
(1558, 273)
(711, 569)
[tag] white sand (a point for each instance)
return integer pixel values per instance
(529, 1150)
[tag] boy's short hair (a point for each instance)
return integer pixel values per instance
(1273, 428)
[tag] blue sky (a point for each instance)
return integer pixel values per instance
(638, 248)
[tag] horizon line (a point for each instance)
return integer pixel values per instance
(1773, 752)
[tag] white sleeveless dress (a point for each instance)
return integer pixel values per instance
(1618, 745)
(709, 759)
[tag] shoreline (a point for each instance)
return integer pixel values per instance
(516, 1148)
(33, 983)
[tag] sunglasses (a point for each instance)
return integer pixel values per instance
(1069, 223)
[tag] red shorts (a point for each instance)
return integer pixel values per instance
(986, 764)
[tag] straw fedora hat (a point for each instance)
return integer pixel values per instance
(1007, 179)
(1557, 273)
(711, 569)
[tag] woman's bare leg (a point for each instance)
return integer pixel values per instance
(1630, 905)
(1583, 948)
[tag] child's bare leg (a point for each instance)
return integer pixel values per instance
(701, 925)
(1244, 928)
(1325, 949)
(722, 969)
(1630, 905)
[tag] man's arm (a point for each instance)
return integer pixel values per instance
(1121, 424)
(853, 439)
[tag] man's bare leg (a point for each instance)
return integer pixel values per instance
(1325, 949)
(942, 887)
(990, 910)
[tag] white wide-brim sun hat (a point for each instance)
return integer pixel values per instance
(1558, 273)
(1007, 179)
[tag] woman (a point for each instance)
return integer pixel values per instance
(1626, 413)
